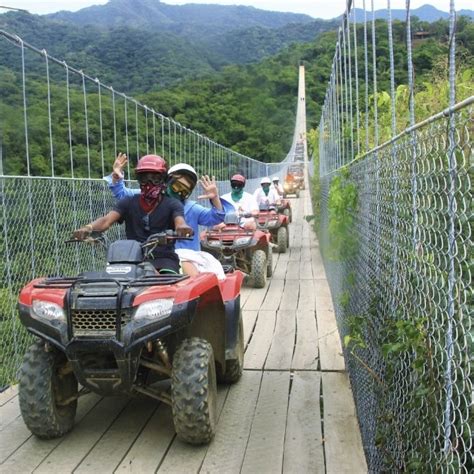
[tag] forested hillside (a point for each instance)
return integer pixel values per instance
(252, 108)
(145, 59)
(248, 108)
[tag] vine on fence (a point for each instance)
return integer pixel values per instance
(401, 340)
(342, 205)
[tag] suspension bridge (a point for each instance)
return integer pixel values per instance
(358, 352)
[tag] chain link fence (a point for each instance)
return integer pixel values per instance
(60, 133)
(401, 281)
(396, 228)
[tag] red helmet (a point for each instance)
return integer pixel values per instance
(238, 178)
(151, 164)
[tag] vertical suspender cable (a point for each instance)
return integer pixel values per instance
(356, 70)
(154, 130)
(71, 160)
(394, 161)
(452, 210)
(137, 130)
(101, 127)
(127, 143)
(366, 76)
(349, 49)
(146, 130)
(101, 134)
(114, 119)
(28, 169)
(51, 151)
(89, 181)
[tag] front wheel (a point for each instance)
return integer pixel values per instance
(282, 239)
(258, 273)
(269, 262)
(194, 391)
(47, 392)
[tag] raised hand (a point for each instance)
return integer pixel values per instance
(209, 186)
(119, 164)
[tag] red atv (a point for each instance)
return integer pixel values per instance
(291, 185)
(120, 330)
(277, 225)
(285, 208)
(246, 250)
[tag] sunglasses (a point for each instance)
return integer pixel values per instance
(150, 178)
(236, 185)
(180, 188)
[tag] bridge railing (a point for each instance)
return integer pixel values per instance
(60, 132)
(396, 233)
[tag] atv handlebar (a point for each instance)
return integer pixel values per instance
(163, 238)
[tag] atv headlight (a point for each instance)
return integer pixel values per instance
(154, 310)
(49, 311)
(214, 243)
(242, 240)
(272, 223)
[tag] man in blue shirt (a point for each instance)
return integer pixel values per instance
(182, 179)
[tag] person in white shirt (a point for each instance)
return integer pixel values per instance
(243, 202)
(277, 186)
(265, 194)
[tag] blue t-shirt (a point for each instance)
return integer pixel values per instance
(194, 214)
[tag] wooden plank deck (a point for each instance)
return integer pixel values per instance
(291, 412)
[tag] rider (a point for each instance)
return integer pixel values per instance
(277, 186)
(243, 202)
(147, 213)
(182, 179)
(265, 194)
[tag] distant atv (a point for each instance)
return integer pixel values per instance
(120, 330)
(247, 250)
(285, 208)
(291, 186)
(277, 225)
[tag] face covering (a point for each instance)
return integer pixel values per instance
(170, 193)
(151, 192)
(266, 189)
(237, 194)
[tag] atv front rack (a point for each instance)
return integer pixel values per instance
(149, 280)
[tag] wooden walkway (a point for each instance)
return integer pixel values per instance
(291, 412)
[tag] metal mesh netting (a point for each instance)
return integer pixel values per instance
(59, 133)
(403, 297)
(395, 228)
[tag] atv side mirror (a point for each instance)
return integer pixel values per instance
(231, 218)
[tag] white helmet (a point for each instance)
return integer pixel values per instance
(183, 168)
(265, 180)
(275, 178)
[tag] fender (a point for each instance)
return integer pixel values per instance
(232, 318)
(230, 287)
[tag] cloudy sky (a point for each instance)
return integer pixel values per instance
(314, 8)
